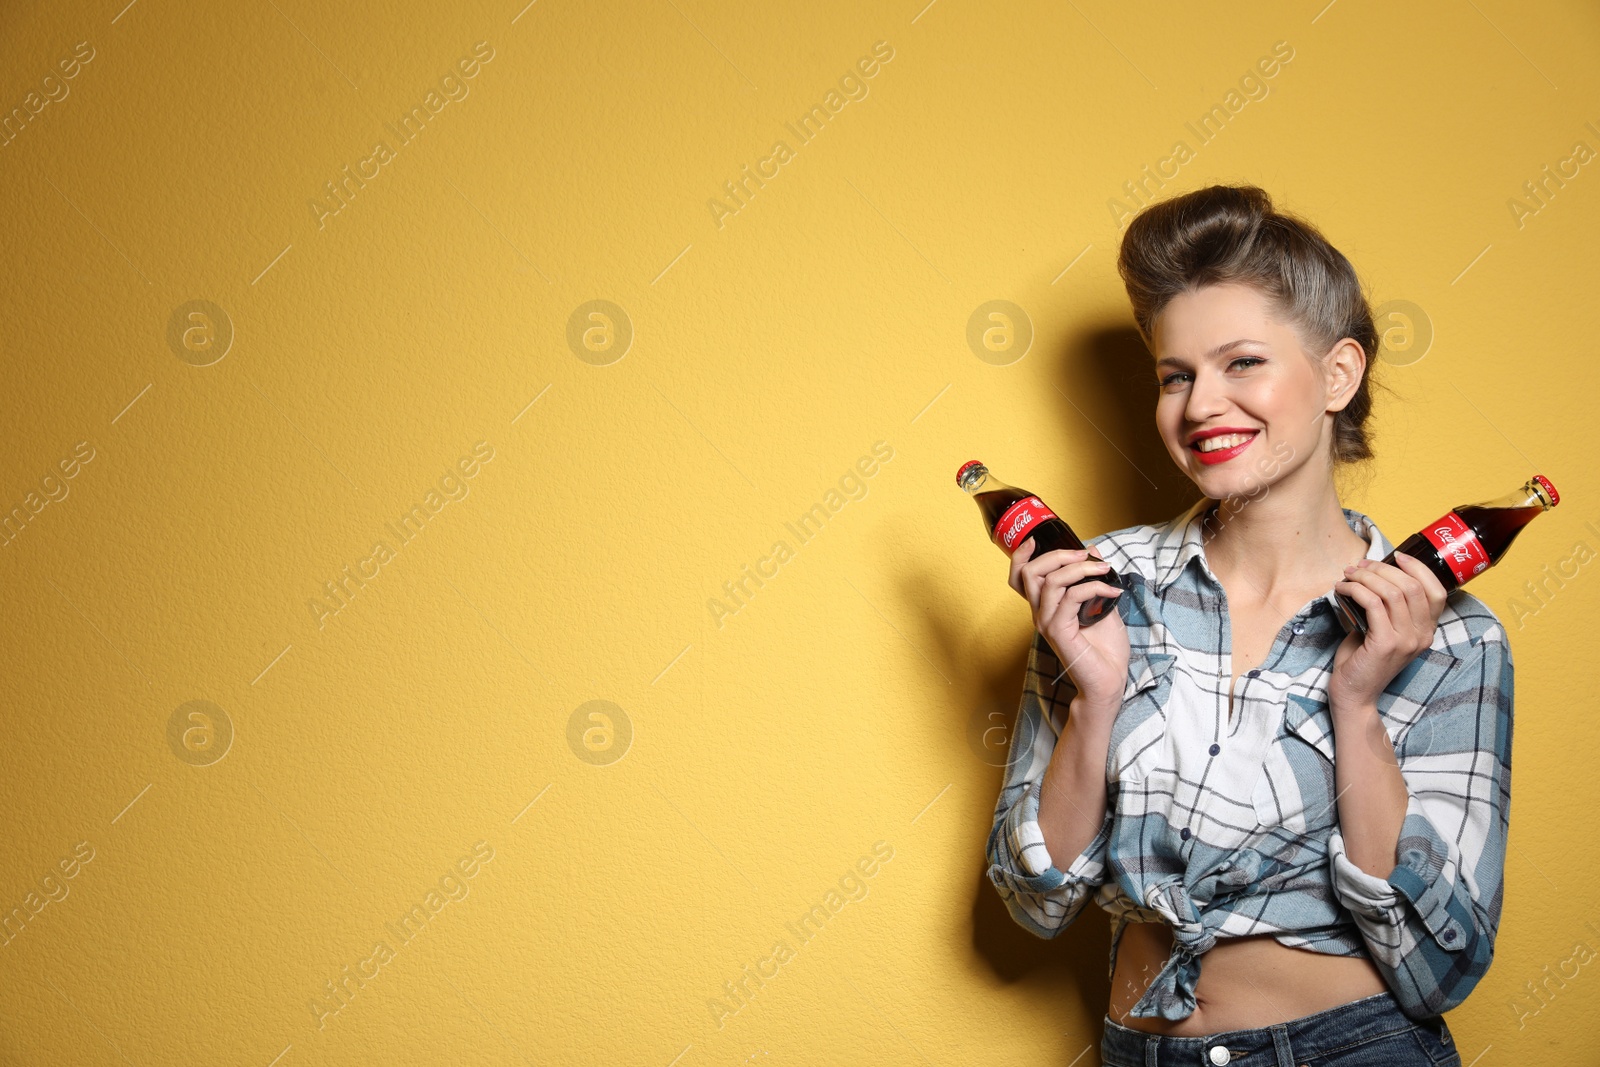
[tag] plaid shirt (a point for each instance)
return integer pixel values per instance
(1224, 827)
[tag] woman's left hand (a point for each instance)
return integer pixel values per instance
(1403, 604)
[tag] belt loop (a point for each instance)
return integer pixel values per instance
(1280, 1043)
(1151, 1044)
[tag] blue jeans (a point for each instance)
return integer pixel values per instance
(1370, 1032)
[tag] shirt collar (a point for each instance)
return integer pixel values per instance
(1182, 539)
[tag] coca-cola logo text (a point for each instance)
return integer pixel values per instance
(1460, 551)
(1457, 545)
(1025, 513)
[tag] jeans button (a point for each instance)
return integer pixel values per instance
(1219, 1055)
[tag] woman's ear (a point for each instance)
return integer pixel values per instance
(1344, 365)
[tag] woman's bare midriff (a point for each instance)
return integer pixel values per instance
(1245, 982)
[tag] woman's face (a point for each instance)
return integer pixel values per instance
(1225, 360)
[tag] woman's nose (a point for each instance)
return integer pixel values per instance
(1207, 399)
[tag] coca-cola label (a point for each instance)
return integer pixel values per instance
(1019, 520)
(1458, 546)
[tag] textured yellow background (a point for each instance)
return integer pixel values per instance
(763, 752)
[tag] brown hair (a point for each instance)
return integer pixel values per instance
(1230, 233)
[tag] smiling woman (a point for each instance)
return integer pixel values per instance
(1223, 256)
(1298, 829)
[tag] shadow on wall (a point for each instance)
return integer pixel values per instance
(1108, 379)
(1104, 380)
(1067, 968)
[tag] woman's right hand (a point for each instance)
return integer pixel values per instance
(1097, 657)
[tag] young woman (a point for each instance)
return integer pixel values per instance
(1299, 832)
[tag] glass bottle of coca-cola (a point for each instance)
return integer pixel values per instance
(1466, 541)
(1013, 515)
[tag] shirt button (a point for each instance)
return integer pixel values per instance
(1184, 833)
(1215, 749)
(1449, 935)
(1219, 1055)
(1299, 629)
(1253, 674)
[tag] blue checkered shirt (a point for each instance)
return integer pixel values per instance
(1225, 827)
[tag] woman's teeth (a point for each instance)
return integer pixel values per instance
(1228, 440)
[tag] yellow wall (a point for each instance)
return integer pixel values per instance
(634, 856)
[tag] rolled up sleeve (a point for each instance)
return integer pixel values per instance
(1041, 896)
(1430, 926)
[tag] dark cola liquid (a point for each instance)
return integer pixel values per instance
(998, 501)
(1466, 541)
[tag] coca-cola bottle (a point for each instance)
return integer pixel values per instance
(1013, 515)
(1467, 540)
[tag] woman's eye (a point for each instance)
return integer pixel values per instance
(1172, 378)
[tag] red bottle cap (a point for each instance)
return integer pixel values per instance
(968, 465)
(1555, 497)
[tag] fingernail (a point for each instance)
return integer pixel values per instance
(1350, 568)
